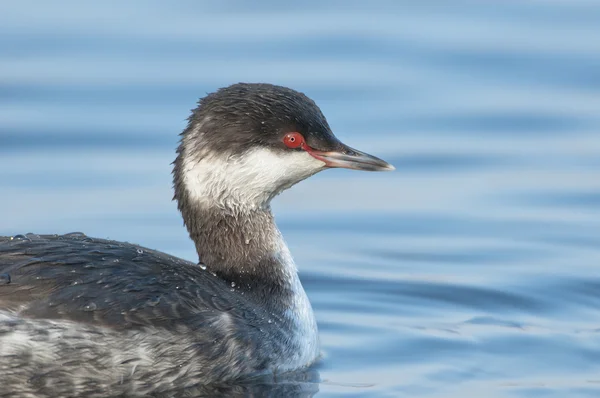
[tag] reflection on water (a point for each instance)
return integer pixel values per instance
(470, 271)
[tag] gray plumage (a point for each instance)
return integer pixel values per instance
(91, 317)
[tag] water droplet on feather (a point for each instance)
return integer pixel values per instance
(153, 301)
(132, 287)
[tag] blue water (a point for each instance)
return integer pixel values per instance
(471, 271)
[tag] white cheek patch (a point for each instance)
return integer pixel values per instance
(250, 180)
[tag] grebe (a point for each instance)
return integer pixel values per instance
(82, 316)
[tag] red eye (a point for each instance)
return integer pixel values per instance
(293, 140)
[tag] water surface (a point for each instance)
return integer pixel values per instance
(473, 270)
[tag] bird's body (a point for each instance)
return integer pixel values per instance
(81, 316)
(112, 316)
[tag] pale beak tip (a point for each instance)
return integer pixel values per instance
(388, 167)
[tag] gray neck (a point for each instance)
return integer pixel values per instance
(240, 246)
(245, 249)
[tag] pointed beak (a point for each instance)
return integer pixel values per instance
(349, 158)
